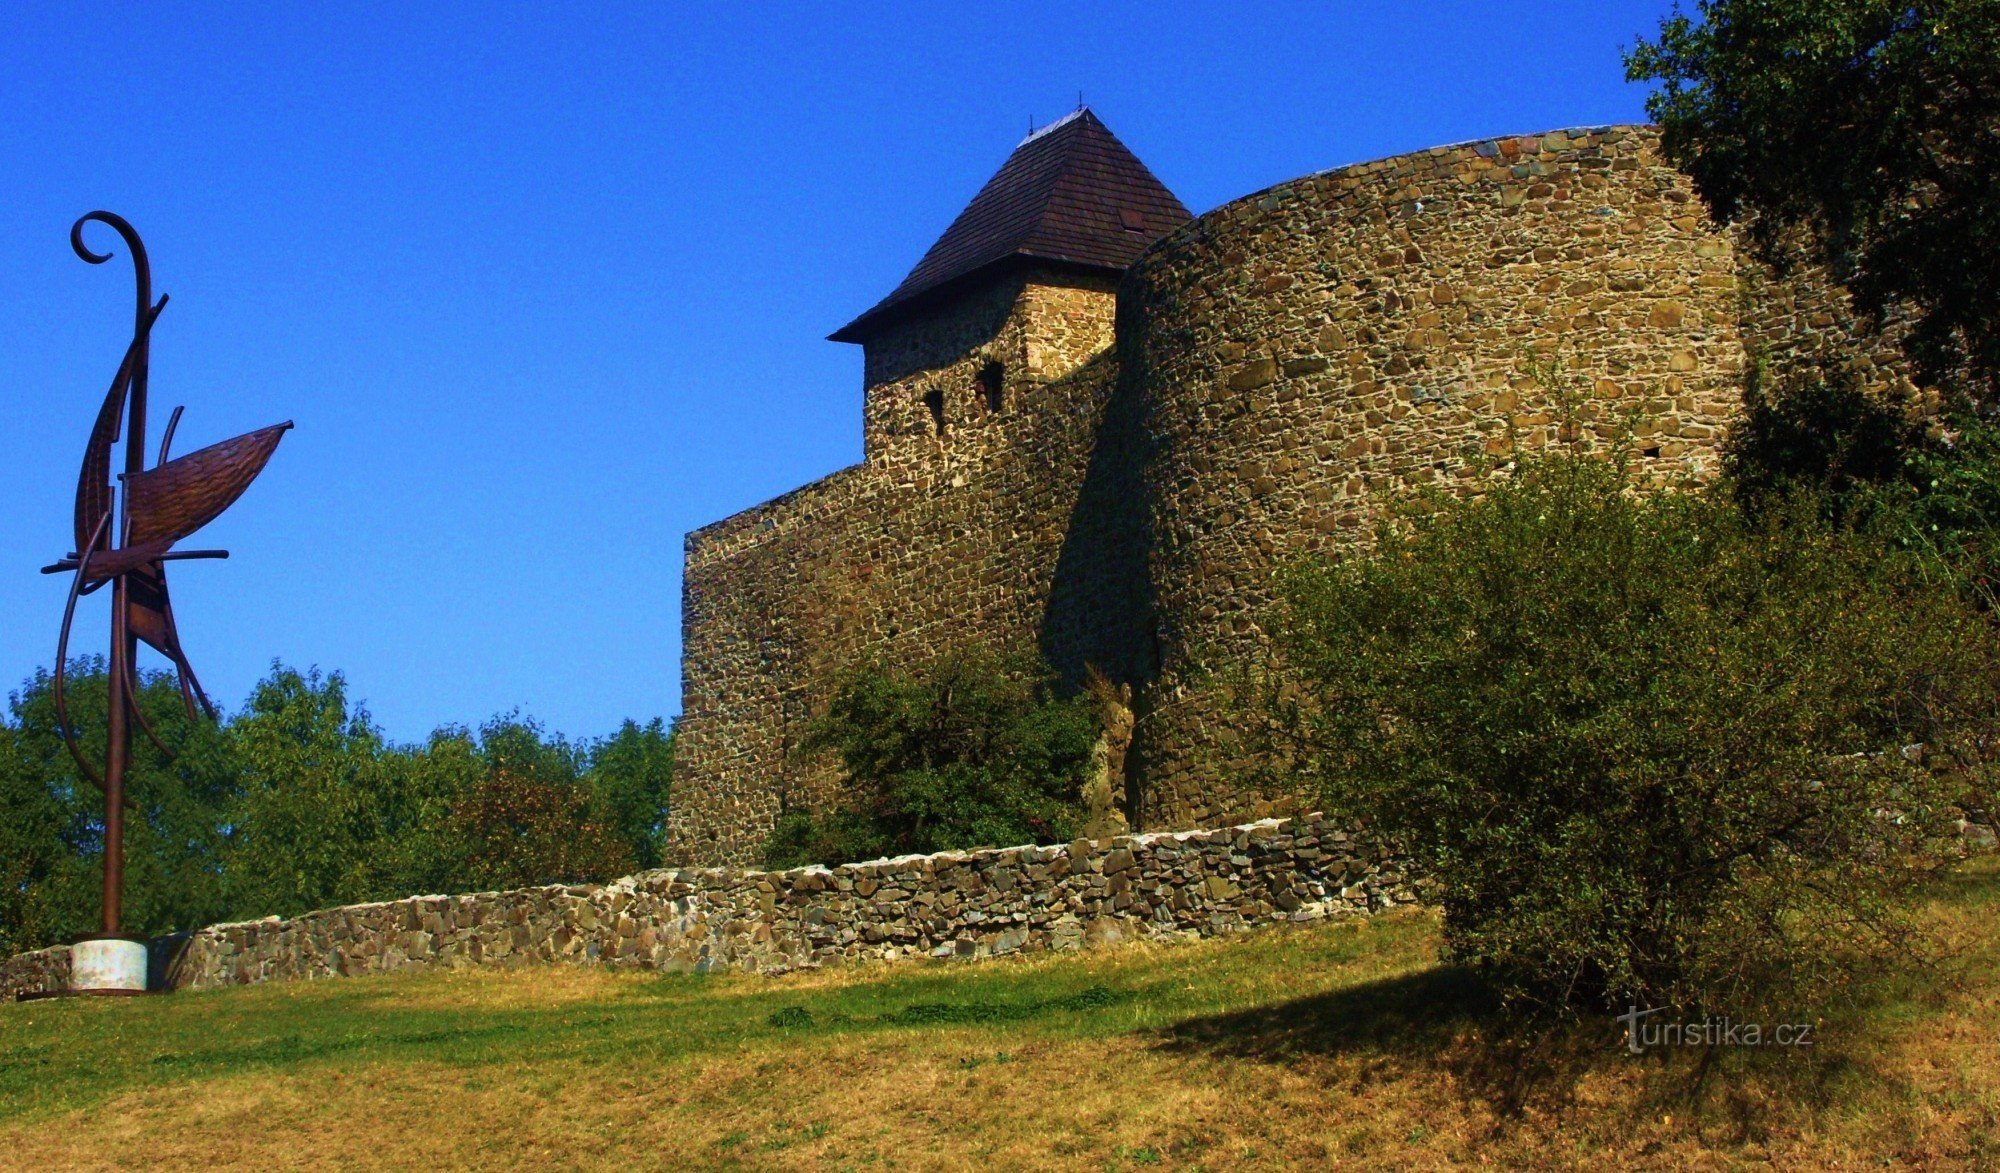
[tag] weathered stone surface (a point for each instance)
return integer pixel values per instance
(960, 904)
(1453, 308)
(1260, 384)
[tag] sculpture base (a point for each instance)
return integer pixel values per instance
(108, 965)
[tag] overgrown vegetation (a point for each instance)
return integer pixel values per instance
(1928, 485)
(978, 749)
(298, 802)
(1650, 748)
(1866, 130)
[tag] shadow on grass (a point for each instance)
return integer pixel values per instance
(1443, 1022)
(1449, 1027)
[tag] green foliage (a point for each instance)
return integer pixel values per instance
(629, 776)
(1868, 128)
(528, 819)
(299, 802)
(314, 774)
(978, 749)
(1931, 490)
(1826, 437)
(51, 817)
(1646, 748)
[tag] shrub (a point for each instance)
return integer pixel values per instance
(978, 749)
(1929, 485)
(1647, 749)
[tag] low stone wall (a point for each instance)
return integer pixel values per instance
(43, 971)
(955, 904)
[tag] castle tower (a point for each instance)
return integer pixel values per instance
(1016, 293)
(985, 513)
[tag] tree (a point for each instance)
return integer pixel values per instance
(53, 817)
(45, 882)
(529, 819)
(306, 831)
(1868, 128)
(978, 749)
(630, 778)
(298, 802)
(1648, 749)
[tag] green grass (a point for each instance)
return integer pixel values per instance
(1339, 1043)
(64, 1054)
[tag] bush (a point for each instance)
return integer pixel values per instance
(1931, 486)
(1647, 750)
(976, 750)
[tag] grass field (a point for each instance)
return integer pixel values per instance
(1323, 1047)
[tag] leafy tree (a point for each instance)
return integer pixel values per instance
(630, 777)
(528, 819)
(1868, 128)
(978, 749)
(305, 832)
(1646, 748)
(299, 802)
(419, 846)
(45, 881)
(173, 837)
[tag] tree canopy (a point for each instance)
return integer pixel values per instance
(1865, 131)
(299, 802)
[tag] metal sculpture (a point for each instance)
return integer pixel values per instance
(129, 551)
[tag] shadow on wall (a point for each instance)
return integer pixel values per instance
(1100, 609)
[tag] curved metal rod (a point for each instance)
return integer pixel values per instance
(185, 671)
(139, 711)
(167, 438)
(142, 270)
(62, 656)
(187, 696)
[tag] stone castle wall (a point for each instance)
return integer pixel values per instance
(1321, 349)
(1282, 368)
(988, 535)
(957, 904)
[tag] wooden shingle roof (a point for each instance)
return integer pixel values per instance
(1070, 193)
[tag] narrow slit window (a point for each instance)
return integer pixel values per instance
(992, 380)
(934, 399)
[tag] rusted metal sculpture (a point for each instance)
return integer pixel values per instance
(129, 550)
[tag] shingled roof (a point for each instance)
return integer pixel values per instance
(1070, 193)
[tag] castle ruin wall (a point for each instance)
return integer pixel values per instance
(1280, 370)
(936, 542)
(956, 904)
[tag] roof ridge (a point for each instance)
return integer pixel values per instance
(1069, 192)
(1065, 120)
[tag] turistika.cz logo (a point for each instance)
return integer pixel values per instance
(1713, 1031)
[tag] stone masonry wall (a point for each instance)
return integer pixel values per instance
(1282, 369)
(956, 904)
(973, 537)
(1317, 351)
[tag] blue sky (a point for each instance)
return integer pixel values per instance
(547, 287)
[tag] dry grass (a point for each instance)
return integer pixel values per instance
(1329, 1047)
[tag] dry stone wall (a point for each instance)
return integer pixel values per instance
(964, 904)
